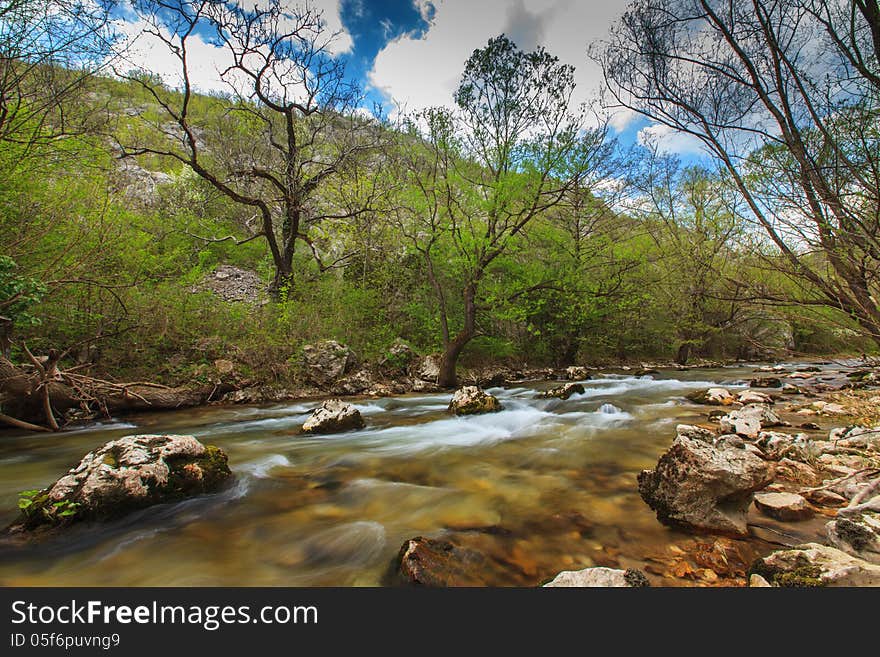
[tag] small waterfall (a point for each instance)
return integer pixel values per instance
(610, 409)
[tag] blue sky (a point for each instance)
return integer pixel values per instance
(410, 53)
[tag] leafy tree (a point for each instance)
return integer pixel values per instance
(287, 126)
(486, 169)
(49, 50)
(18, 296)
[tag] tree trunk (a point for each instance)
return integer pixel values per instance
(448, 377)
(282, 283)
(684, 352)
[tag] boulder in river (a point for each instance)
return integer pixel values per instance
(816, 565)
(471, 400)
(600, 577)
(712, 397)
(563, 392)
(787, 507)
(698, 486)
(577, 373)
(327, 361)
(334, 416)
(124, 475)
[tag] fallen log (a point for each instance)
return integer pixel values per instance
(31, 401)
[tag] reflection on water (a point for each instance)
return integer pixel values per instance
(545, 484)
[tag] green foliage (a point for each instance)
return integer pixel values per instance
(35, 503)
(19, 294)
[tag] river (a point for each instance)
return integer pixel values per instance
(549, 485)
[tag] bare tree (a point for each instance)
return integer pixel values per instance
(48, 50)
(784, 95)
(288, 124)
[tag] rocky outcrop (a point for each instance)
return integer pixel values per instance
(124, 475)
(471, 400)
(356, 383)
(787, 507)
(816, 565)
(600, 577)
(712, 397)
(698, 486)
(696, 433)
(429, 368)
(563, 392)
(327, 361)
(399, 359)
(333, 416)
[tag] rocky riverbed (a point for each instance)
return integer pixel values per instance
(546, 484)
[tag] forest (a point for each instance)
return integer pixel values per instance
(505, 227)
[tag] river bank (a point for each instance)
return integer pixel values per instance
(546, 485)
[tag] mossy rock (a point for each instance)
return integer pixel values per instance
(125, 475)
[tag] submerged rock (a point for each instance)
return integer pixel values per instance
(334, 416)
(327, 361)
(124, 475)
(563, 392)
(766, 382)
(816, 565)
(698, 486)
(783, 506)
(600, 577)
(471, 400)
(438, 563)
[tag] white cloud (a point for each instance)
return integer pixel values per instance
(669, 140)
(622, 118)
(205, 61)
(421, 72)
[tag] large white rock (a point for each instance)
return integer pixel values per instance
(471, 400)
(126, 474)
(333, 416)
(599, 577)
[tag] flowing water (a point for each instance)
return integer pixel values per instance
(545, 485)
